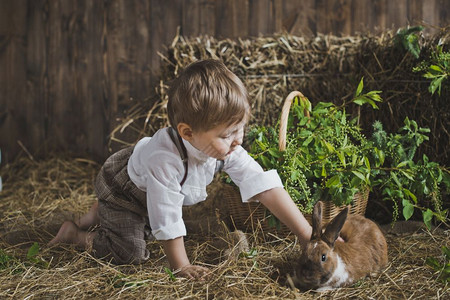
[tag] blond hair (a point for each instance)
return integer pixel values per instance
(205, 95)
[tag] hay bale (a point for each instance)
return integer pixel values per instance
(324, 68)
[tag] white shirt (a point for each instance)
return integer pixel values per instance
(156, 168)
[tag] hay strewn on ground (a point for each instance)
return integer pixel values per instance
(39, 195)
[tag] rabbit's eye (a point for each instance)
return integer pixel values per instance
(324, 257)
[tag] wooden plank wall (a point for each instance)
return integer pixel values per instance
(68, 67)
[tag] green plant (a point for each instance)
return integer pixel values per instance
(402, 178)
(250, 254)
(32, 256)
(408, 38)
(444, 267)
(328, 158)
(172, 276)
(5, 260)
(437, 69)
(16, 265)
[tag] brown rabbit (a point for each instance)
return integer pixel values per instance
(325, 264)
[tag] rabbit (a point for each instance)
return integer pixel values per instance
(326, 264)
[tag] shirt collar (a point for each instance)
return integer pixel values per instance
(193, 152)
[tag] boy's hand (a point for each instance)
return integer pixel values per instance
(193, 272)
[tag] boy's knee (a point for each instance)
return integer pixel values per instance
(138, 252)
(120, 250)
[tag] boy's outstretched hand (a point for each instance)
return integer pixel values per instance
(176, 254)
(193, 272)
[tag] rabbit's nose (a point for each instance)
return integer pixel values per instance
(305, 271)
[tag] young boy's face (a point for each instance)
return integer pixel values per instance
(220, 141)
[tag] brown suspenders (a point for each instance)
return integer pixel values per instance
(176, 138)
(178, 141)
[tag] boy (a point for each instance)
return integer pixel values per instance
(144, 187)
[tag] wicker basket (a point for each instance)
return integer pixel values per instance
(253, 215)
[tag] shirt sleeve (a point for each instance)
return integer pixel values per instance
(164, 205)
(158, 173)
(248, 175)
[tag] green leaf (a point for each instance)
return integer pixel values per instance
(303, 121)
(360, 100)
(433, 262)
(426, 190)
(265, 162)
(408, 209)
(324, 171)
(341, 156)
(304, 134)
(446, 252)
(273, 222)
(407, 175)
(360, 175)
(394, 176)
(436, 85)
(372, 103)
(250, 254)
(413, 45)
(403, 163)
(170, 273)
(33, 251)
(261, 145)
(410, 195)
(334, 181)
(360, 87)
(274, 152)
(5, 259)
(427, 217)
(317, 173)
(381, 156)
(329, 147)
(375, 96)
(407, 122)
(366, 160)
(436, 68)
(307, 141)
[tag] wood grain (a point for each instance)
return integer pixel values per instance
(68, 68)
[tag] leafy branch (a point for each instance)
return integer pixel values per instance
(437, 69)
(408, 38)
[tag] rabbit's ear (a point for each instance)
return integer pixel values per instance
(334, 227)
(317, 221)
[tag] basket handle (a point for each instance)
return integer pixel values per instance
(285, 115)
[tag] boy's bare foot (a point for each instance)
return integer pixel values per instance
(90, 219)
(67, 234)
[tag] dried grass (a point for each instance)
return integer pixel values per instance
(324, 68)
(38, 195)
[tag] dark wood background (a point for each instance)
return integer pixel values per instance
(68, 67)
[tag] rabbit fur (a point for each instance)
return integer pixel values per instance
(326, 264)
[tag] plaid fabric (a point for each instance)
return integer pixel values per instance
(121, 235)
(113, 185)
(123, 216)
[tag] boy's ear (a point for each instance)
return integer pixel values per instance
(185, 131)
